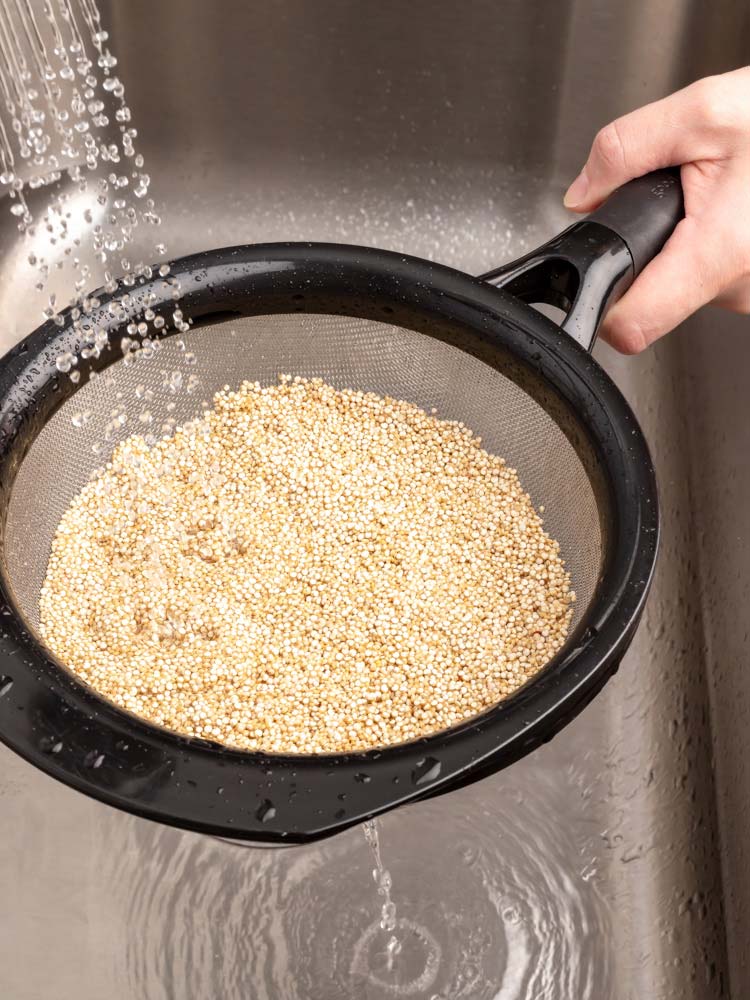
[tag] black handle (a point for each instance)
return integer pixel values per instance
(589, 265)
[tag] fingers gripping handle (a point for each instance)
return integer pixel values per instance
(586, 268)
(643, 213)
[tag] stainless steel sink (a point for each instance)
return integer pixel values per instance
(613, 863)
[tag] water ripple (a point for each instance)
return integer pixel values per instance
(492, 905)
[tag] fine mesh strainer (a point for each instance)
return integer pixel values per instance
(372, 320)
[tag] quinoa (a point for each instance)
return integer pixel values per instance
(305, 570)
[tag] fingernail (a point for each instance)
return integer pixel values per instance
(577, 190)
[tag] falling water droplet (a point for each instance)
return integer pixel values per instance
(6, 683)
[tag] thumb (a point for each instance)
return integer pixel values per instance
(666, 133)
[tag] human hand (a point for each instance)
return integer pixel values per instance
(705, 129)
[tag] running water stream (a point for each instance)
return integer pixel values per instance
(64, 112)
(79, 191)
(382, 878)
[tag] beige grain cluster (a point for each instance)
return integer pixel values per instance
(305, 570)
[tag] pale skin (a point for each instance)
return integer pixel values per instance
(705, 130)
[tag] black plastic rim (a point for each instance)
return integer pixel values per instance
(63, 727)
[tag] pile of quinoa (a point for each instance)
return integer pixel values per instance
(305, 570)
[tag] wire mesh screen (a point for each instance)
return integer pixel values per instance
(346, 352)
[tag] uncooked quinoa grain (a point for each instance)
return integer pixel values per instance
(307, 570)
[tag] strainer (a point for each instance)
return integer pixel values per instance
(473, 348)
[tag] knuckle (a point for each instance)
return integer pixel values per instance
(609, 146)
(720, 107)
